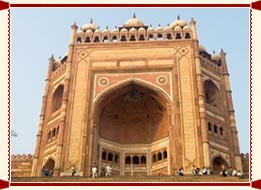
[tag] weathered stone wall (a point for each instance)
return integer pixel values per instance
(21, 165)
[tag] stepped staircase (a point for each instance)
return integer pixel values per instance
(186, 178)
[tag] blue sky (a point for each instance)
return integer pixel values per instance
(37, 33)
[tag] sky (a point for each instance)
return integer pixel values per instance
(37, 33)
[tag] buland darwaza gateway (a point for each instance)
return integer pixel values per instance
(136, 97)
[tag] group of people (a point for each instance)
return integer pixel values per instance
(231, 172)
(105, 171)
(45, 172)
(202, 171)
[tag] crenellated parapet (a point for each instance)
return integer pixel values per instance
(21, 165)
(134, 31)
(210, 61)
(23, 157)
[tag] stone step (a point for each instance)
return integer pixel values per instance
(187, 178)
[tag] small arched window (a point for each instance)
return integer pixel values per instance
(132, 38)
(116, 158)
(141, 38)
(53, 132)
(96, 39)
(159, 37)
(143, 160)
(110, 157)
(178, 36)
(79, 40)
(123, 38)
(114, 39)
(135, 160)
(88, 40)
(169, 36)
(127, 160)
(159, 156)
(57, 98)
(165, 154)
(212, 96)
(151, 37)
(187, 35)
(215, 129)
(105, 39)
(104, 155)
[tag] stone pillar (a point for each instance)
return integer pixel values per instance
(42, 118)
(231, 114)
(193, 28)
(62, 122)
(202, 111)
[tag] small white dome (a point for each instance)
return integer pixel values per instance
(177, 29)
(106, 30)
(124, 30)
(132, 22)
(159, 29)
(133, 30)
(150, 29)
(89, 26)
(80, 31)
(178, 22)
(215, 57)
(89, 31)
(141, 29)
(115, 30)
(202, 48)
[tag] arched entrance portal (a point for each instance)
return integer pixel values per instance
(217, 163)
(49, 165)
(132, 126)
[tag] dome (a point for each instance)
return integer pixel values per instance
(159, 29)
(106, 30)
(215, 57)
(177, 28)
(202, 48)
(58, 60)
(97, 31)
(133, 22)
(80, 31)
(141, 29)
(89, 31)
(150, 29)
(178, 22)
(124, 30)
(186, 27)
(167, 28)
(133, 30)
(89, 26)
(115, 30)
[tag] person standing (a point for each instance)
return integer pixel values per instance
(73, 170)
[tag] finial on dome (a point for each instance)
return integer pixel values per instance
(150, 25)
(91, 21)
(159, 25)
(134, 16)
(214, 51)
(178, 17)
(107, 27)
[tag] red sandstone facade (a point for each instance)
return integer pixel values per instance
(139, 98)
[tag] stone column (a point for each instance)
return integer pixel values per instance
(42, 119)
(231, 114)
(202, 111)
(62, 121)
